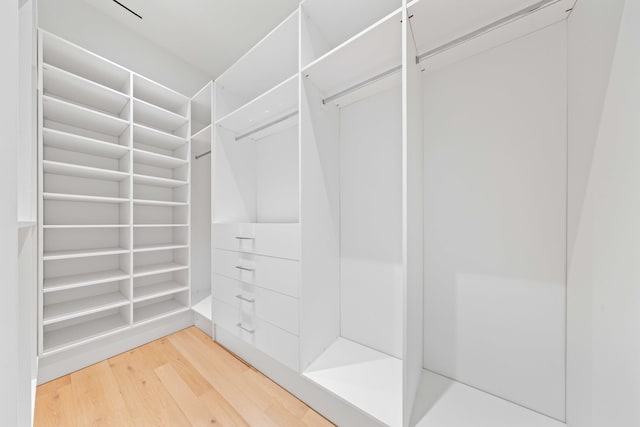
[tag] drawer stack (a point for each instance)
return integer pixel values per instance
(256, 283)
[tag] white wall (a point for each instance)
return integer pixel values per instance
(495, 220)
(200, 222)
(8, 214)
(83, 25)
(371, 274)
(593, 33)
(604, 315)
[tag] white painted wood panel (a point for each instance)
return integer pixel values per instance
(495, 220)
(273, 307)
(275, 342)
(276, 240)
(371, 274)
(281, 275)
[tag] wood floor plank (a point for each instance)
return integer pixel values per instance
(244, 398)
(149, 403)
(193, 408)
(185, 379)
(164, 352)
(90, 386)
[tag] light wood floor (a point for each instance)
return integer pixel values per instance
(184, 379)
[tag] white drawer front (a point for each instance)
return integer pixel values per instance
(277, 240)
(277, 274)
(273, 307)
(270, 339)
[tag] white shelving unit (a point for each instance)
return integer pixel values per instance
(114, 188)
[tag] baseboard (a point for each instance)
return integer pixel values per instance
(65, 362)
(332, 407)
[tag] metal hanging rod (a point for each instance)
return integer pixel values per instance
(268, 125)
(487, 28)
(362, 84)
(206, 153)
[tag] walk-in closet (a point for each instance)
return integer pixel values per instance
(322, 212)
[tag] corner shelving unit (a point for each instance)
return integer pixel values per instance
(114, 198)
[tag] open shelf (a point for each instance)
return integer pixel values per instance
(68, 113)
(324, 23)
(157, 310)
(371, 52)
(201, 114)
(80, 280)
(82, 198)
(251, 75)
(80, 171)
(155, 290)
(157, 94)
(69, 226)
(157, 181)
(156, 138)
(78, 333)
(82, 144)
(158, 247)
(167, 267)
(156, 117)
(367, 378)
(440, 30)
(158, 203)
(159, 225)
(158, 160)
(202, 136)
(74, 59)
(83, 253)
(267, 107)
(69, 86)
(60, 312)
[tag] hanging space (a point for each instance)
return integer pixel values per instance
(488, 102)
(255, 194)
(201, 161)
(352, 203)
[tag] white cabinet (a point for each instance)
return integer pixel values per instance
(277, 240)
(114, 199)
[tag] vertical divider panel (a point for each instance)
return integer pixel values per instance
(130, 204)
(320, 222)
(189, 190)
(412, 152)
(40, 197)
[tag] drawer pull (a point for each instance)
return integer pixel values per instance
(239, 267)
(243, 298)
(245, 238)
(251, 331)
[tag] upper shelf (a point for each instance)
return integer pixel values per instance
(82, 144)
(271, 61)
(373, 51)
(158, 160)
(279, 101)
(78, 89)
(80, 171)
(68, 113)
(449, 30)
(156, 138)
(74, 59)
(328, 23)
(161, 96)
(157, 117)
(201, 113)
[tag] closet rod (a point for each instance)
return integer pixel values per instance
(203, 154)
(268, 125)
(362, 84)
(487, 28)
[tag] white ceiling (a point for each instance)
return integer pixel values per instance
(208, 34)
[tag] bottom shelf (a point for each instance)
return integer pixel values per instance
(439, 401)
(366, 378)
(82, 332)
(157, 309)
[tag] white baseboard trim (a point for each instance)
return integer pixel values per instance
(65, 362)
(332, 407)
